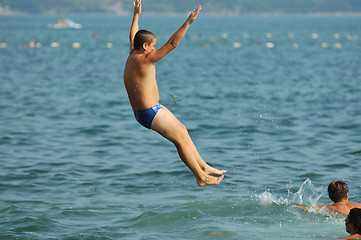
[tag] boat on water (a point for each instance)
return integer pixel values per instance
(65, 23)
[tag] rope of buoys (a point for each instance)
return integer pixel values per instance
(236, 44)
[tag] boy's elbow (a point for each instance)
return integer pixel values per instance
(173, 44)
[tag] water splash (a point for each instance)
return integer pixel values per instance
(267, 198)
(308, 194)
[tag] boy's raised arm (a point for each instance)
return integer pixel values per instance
(134, 28)
(175, 39)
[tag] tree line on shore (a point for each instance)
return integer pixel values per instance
(215, 7)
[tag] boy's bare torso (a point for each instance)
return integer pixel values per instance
(140, 82)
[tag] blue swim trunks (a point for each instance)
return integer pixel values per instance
(145, 117)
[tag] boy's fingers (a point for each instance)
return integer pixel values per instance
(197, 10)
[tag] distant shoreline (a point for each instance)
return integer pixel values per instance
(210, 14)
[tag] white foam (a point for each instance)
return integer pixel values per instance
(307, 194)
(266, 198)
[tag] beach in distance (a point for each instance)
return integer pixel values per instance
(274, 100)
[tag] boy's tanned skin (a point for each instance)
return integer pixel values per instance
(141, 85)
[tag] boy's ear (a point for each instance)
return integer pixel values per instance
(145, 46)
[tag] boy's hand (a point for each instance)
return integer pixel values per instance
(193, 15)
(137, 6)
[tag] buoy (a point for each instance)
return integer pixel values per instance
(291, 35)
(32, 44)
(245, 35)
(237, 45)
(268, 35)
(54, 44)
(338, 45)
(109, 45)
(76, 45)
(336, 36)
(224, 35)
(205, 45)
(324, 45)
(295, 45)
(213, 39)
(350, 37)
(270, 45)
(314, 35)
(3, 45)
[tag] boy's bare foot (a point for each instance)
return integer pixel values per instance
(209, 180)
(213, 171)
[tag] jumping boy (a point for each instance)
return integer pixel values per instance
(338, 193)
(142, 89)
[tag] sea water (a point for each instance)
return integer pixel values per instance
(274, 100)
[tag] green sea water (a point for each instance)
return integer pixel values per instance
(274, 100)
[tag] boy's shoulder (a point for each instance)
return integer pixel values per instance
(353, 236)
(354, 205)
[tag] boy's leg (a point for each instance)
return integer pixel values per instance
(167, 125)
(205, 167)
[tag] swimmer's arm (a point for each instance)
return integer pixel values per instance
(134, 28)
(354, 236)
(318, 207)
(174, 40)
(303, 208)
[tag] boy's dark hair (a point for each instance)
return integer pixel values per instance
(354, 218)
(141, 37)
(337, 191)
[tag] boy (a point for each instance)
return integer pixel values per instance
(353, 224)
(142, 89)
(338, 193)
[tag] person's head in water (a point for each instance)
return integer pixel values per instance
(337, 191)
(142, 37)
(353, 221)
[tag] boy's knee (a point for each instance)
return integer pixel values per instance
(183, 134)
(183, 129)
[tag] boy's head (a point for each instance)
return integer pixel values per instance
(337, 191)
(354, 218)
(141, 37)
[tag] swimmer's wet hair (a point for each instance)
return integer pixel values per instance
(354, 218)
(143, 36)
(337, 191)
